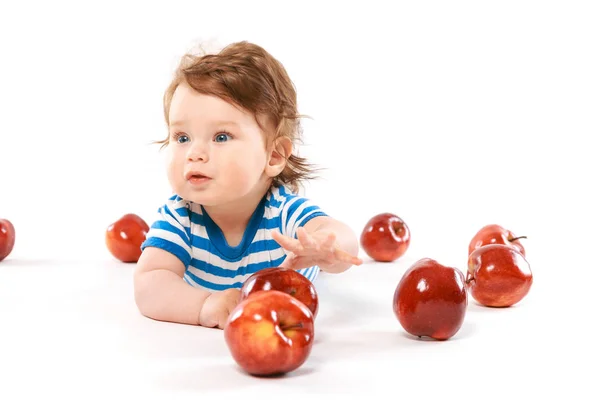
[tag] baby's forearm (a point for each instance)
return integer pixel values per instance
(165, 296)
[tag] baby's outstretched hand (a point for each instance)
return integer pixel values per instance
(310, 249)
(217, 307)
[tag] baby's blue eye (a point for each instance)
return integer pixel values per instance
(182, 139)
(222, 137)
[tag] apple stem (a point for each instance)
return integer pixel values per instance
(517, 238)
(288, 327)
(469, 279)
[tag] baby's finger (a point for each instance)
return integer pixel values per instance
(346, 257)
(287, 242)
(329, 242)
(305, 239)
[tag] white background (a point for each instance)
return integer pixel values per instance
(452, 115)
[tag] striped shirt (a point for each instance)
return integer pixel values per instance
(184, 229)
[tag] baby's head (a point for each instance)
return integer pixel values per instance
(245, 84)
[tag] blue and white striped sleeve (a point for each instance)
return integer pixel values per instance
(296, 212)
(171, 231)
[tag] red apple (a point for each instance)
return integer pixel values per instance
(431, 300)
(385, 237)
(498, 275)
(496, 234)
(285, 280)
(269, 333)
(7, 238)
(124, 237)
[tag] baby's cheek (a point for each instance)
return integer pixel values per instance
(174, 173)
(244, 175)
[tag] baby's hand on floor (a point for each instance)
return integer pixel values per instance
(217, 307)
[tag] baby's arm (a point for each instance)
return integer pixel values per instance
(312, 237)
(162, 294)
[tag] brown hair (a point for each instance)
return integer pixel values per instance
(246, 75)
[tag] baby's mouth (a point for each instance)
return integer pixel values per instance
(197, 178)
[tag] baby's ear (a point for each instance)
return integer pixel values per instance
(280, 151)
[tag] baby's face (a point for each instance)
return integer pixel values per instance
(216, 152)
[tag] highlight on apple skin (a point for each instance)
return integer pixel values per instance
(496, 234)
(7, 238)
(498, 275)
(385, 237)
(431, 300)
(270, 333)
(125, 236)
(285, 280)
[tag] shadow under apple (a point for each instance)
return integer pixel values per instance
(466, 330)
(298, 372)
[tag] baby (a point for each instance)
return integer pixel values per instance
(232, 125)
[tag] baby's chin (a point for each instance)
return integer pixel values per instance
(196, 199)
(214, 195)
(195, 196)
